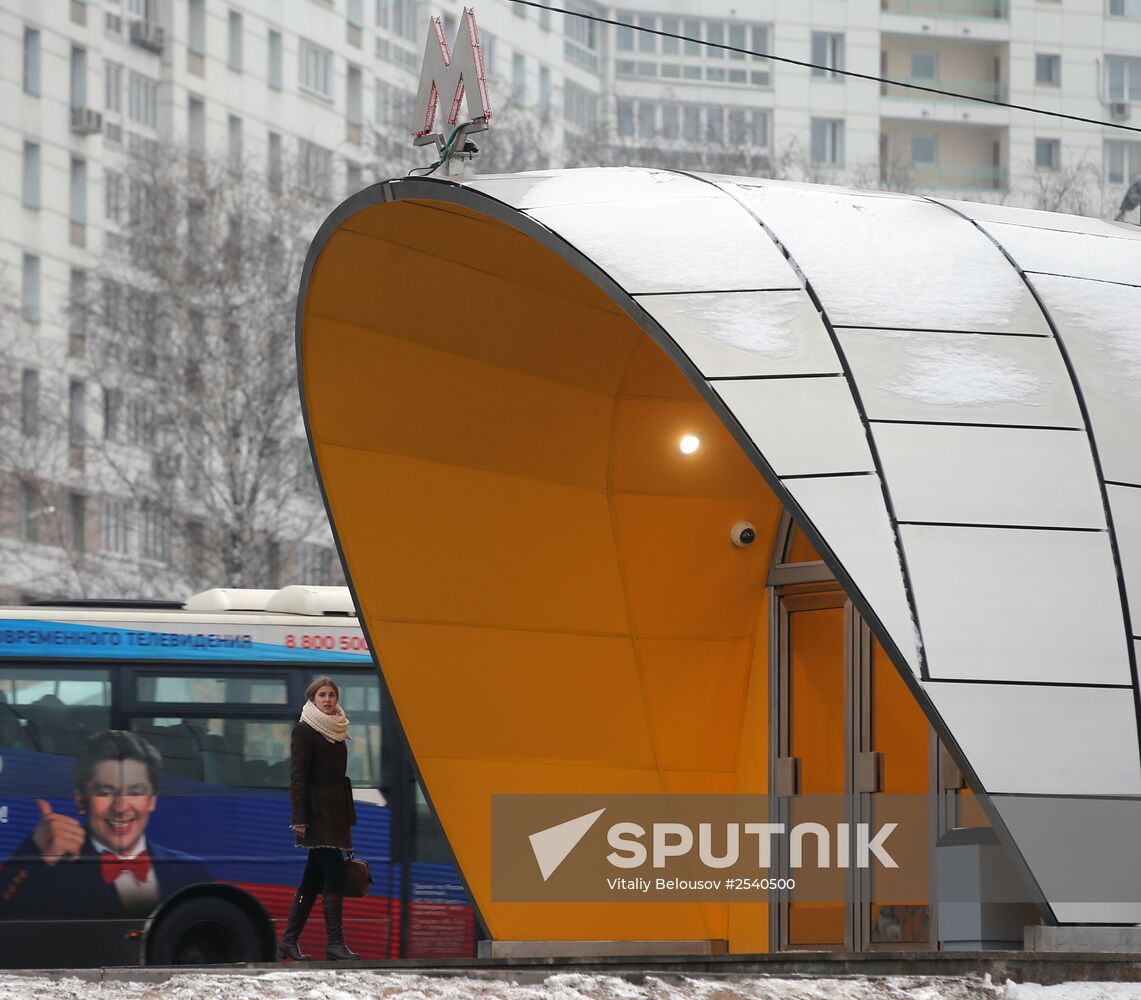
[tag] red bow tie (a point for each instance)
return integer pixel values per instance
(112, 867)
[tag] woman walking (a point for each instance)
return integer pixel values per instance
(322, 812)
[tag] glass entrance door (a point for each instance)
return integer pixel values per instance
(850, 745)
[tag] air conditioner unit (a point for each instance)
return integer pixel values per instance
(86, 121)
(147, 35)
(1119, 111)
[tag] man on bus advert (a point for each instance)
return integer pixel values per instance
(108, 868)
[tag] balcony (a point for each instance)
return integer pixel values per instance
(989, 90)
(989, 10)
(956, 177)
(147, 35)
(85, 121)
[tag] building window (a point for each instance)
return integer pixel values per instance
(1048, 154)
(142, 99)
(77, 312)
(314, 564)
(1125, 8)
(1122, 161)
(828, 141)
(544, 93)
(77, 522)
(354, 177)
(78, 212)
(487, 44)
(924, 65)
(923, 150)
(1048, 69)
(354, 13)
(316, 69)
(30, 402)
(624, 115)
(647, 119)
(691, 123)
(727, 40)
(715, 126)
(275, 61)
(76, 414)
(30, 288)
(195, 549)
(624, 33)
(234, 144)
(354, 95)
(114, 196)
(196, 27)
(154, 534)
(827, 54)
(196, 128)
(31, 185)
(32, 62)
(113, 414)
(112, 87)
(234, 42)
(580, 106)
(78, 77)
(115, 525)
(519, 78)
(315, 168)
(30, 512)
(749, 127)
(273, 161)
(647, 42)
(580, 41)
(1123, 78)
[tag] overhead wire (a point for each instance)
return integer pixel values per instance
(828, 69)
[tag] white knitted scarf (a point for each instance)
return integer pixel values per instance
(335, 728)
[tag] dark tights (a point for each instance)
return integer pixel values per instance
(324, 872)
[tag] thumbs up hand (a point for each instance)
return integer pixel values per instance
(56, 836)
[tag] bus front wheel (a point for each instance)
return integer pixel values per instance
(205, 931)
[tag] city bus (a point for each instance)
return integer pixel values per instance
(167, 726)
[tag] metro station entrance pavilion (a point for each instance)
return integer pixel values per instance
(649, 483)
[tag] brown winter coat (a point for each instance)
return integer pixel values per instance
(320, 793)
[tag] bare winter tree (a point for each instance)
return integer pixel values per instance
(40, 483)
(520, 138)
(1074, 187)
(190, 342)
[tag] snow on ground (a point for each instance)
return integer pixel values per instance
(359, 985)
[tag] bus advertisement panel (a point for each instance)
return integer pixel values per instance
(144, 806)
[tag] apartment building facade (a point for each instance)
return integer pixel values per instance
(328, 86)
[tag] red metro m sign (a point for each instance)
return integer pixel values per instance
(456, 73)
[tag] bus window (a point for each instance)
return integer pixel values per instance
(241, 753)
(431, 844)
(52, 710)
(360, 698)
(194, 689)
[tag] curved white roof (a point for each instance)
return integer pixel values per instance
(951, 395)
(948, 396)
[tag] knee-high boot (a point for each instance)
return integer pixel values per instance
(298, 913)
(334, 928)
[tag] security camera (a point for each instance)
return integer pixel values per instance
(743, 534)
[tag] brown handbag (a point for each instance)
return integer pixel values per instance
(357, 877)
